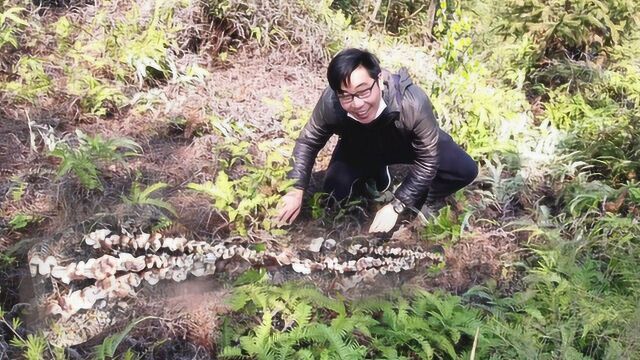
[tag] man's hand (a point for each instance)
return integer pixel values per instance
(385, 219)
(289, 207)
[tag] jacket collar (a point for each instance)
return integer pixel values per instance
(394, 87)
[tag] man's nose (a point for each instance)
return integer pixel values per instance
(357, 102)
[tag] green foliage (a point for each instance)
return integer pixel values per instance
(504, 185)
(317, 203)
(11, 24)
(577, 28)
(601, 130)
(481, 116)
(95, 97)
(300, 322)
(311, 28)
(33, 346)
(21, 221)
(107, 349)
(430, 324)
(246, 200)
(444, 225)
(296, 322)
(411, 21)
(143, 44)
(84, 159)
(139, 196)
(17, 189)
(259, 169)
(131, 46)
(32, 80)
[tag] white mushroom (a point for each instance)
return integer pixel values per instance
(229, 253)
(300, 268)
(316, 244)
(44, 268)
(151, 277)
(141, 240)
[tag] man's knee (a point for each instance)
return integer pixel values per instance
(470, 171)
(339, 180)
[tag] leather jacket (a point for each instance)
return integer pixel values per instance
(405, 132)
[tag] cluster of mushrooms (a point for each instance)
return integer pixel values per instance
(117, 274)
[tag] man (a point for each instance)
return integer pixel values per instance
(381, 119)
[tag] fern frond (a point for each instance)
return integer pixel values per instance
(230, 352)
(110, 344)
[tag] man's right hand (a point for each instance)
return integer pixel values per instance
(289, 207)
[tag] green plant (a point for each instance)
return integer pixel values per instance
(11, 23)
(6, 261)
(424, 325)
(17, 189)
(504, 185)
(95, 97)
(312, 28)
(445, 225)
(21, 221)
(144, 45)
(84, 159)
(261, 168)
(143, 197)
(296, 322)
(107, 349)
(246, 199)
(317, 203)
(599, 131)
(33, 346)
(577, 28)
(162, 224)
(32, 80)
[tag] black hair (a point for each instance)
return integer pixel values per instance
(346, 61)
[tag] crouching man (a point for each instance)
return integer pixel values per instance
(381, 119)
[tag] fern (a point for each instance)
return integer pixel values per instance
(91, 151)
(107, 349)
(143, 197)
(11, 23)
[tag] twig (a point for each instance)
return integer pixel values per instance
(475, 344)
(32, 139)
(12, 330)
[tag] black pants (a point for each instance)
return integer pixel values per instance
(349, 165)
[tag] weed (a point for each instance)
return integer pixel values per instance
(17, 189)
(107, 349)
(11, 23)
(32, 80)
(83, 160)
(301, 322)
(139, 196)
(33, 346)
(21, 221)
(95, 97)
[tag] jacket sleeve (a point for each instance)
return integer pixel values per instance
(419, 117)
(312, 139)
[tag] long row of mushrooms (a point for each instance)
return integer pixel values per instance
(174, 258)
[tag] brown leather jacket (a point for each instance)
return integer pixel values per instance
(405, 132)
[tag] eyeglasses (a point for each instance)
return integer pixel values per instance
(347, 98)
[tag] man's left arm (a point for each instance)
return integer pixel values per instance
(419, 116)
(425, 146)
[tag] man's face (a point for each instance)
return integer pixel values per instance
(364, 105)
